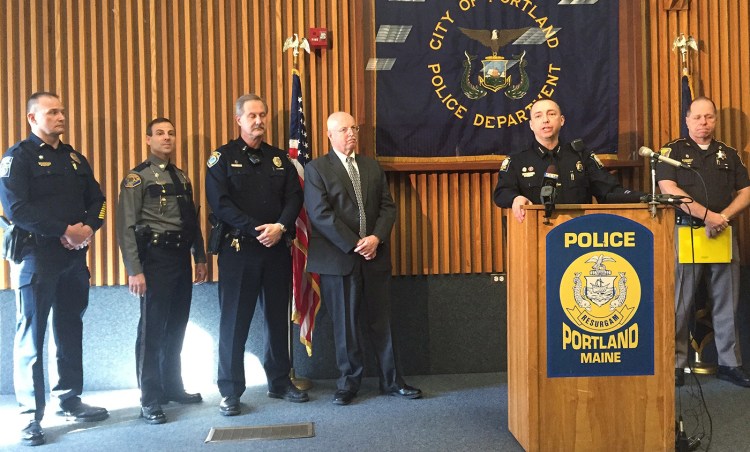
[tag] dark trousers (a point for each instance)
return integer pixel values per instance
(253, 274)
(364, 293)
(64, 292)
(165, 309)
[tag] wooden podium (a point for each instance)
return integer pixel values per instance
(624, 413)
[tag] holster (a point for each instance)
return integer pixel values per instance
(216, 236)
(142, 237)
(14, 239)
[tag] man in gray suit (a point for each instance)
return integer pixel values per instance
(352, 213)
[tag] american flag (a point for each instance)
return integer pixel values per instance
(305, 286)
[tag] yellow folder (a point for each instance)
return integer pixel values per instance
(717, 250)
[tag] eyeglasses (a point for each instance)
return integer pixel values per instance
(345, 130)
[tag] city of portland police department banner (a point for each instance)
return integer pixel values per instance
(600, 298)
(464, 73)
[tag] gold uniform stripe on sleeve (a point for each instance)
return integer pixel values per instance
(103, 211)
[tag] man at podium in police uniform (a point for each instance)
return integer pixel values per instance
(581, 174)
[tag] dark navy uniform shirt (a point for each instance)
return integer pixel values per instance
(43, 189)
(249, 187)
(719, 166)
(581, 176)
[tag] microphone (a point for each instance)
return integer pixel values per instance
(626, 197)
(674, 200)
(549, 190)
(578, 145)
(646, 152)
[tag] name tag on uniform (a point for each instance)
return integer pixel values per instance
(237, 165)
(45, 163)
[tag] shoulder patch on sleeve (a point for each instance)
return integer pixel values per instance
(665, 151)
(132, 180)
(214, 159)
(5, 166)
(597, 161)
(506, 163)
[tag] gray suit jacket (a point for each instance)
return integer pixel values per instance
(332, 209)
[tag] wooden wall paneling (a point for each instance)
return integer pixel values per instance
(498, 242)
(461, 239)
(488, 239)
(474, 217)
(434, 222)
(424, 223)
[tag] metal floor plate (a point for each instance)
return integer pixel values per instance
(281, 431)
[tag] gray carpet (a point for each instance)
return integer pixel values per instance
(465, 412)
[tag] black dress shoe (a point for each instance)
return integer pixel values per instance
(406, 392)
(182, 397)
(82, 412)
(343, 397)
(153, 414)
(229, 406)
(290, 394)
(679, 377)
(736, 375)
(32, 435)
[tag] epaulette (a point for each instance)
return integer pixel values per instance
(673, 142)
(142, 166)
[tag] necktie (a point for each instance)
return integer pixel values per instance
(185, 204)
(354, 175)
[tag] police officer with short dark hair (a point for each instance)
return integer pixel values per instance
(726, 195)
(157, 229)
(254, 190)
(48, 190)
(581, 173)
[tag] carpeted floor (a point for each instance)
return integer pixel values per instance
(465, 412)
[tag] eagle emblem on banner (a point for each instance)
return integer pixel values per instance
(494, 74)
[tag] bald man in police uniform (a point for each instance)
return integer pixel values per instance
(48, 190)
(253, 188)
(581, 173)
(728, 194)
(157, 230)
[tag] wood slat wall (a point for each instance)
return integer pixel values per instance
(720, 71)
(447, 223)
(119, 63)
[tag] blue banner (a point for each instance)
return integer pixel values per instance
(458, 77)
(600, 298)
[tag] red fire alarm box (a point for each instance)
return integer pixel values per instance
(318, 38)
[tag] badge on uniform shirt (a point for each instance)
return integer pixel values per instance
(277, 162)
(132, 180)
(665, 152)
(505, 164)
(213, 159)
(579, 166)
(75, 158)
(5, 166)
(721, 155)
(527, 172)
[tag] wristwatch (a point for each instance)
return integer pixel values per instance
(283, 228)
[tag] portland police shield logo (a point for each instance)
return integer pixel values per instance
(600, 298)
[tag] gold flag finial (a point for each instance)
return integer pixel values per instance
(293, 42)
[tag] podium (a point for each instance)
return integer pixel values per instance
(590, 413)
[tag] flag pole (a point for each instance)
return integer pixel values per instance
(293, 43)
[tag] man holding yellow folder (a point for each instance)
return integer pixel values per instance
(726, 194)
